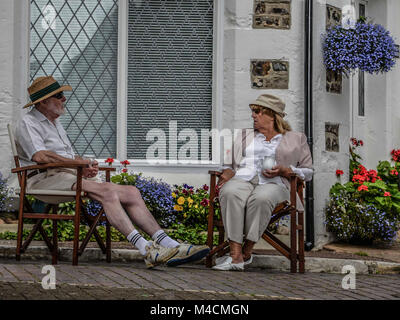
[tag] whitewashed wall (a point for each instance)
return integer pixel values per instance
(240, 43)
(14, 22)
(328, 107)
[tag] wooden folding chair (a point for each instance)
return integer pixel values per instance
(283, 209)
(52, 209)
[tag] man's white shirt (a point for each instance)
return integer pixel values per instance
(36, 133)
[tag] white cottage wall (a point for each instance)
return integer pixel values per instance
(14, 24)
(327, 108)
(239, 43)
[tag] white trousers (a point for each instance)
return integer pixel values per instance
(246, 207)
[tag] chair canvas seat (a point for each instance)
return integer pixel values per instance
(43, 192)
(52, 196)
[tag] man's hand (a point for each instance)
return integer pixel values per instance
(92, 169)
(226, 175)
(277, 171)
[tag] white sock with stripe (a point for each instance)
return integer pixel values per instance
(161, 238)
(138, 241)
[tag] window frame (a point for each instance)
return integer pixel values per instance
(122, 86)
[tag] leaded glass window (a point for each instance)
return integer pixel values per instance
(76, 41)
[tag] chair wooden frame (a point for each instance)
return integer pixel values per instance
(285, 208)
(26, 211)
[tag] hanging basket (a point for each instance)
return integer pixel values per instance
(366, 47)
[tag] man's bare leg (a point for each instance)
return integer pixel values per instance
(109, 197)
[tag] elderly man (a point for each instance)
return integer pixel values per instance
(42, 139)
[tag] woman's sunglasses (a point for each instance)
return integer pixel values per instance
(256, 109)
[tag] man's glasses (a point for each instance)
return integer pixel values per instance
(59, 95)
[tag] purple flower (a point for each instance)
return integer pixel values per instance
(368, 48)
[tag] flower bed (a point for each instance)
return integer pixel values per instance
(366, 208)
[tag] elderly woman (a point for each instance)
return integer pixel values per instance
(249, 193)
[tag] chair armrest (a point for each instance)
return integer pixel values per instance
(107, 169)
(66, 164)
(217, 173)
(293, 175)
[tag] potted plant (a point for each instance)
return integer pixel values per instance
(367, 47)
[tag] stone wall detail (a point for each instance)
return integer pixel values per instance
(333, 79)
(269, 74)
(333, 16)
(272, 14)
(331, 137)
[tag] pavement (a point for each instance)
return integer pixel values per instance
(121, 281)
(127, 278)
(376, 276)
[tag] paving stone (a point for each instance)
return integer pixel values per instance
(22, 281)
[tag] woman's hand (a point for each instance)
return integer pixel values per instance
(226, 175)
(277, 171)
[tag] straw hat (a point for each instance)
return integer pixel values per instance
(43, 88)
(271, 102)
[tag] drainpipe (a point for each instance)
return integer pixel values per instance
(308, 123)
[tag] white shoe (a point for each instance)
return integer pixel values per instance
(157, 254)
(221, 259)
(248, 261)
(227, 265)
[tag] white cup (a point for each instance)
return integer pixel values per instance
(90, 157)
(268, 163)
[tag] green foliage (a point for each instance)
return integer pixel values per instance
(125, 178)
(366, 208)
(196, 235)
(65, 232)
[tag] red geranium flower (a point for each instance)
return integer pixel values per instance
(359, 178)
(124, 170)
(356, 142)
(387, 194)
(125, 163)
(395, 155)
(362, 187)
(109, 161)
(339, 172)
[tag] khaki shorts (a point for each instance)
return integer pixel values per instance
(55, 179)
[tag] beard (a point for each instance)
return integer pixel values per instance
(60, 111)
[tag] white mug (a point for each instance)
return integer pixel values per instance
(268, 163)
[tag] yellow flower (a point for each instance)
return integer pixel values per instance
(196, 206)
(184, 215)
(173, 195)
(190, 200)
(181, 200)
(177, 208)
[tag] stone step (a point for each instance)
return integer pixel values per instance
(13, 227)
